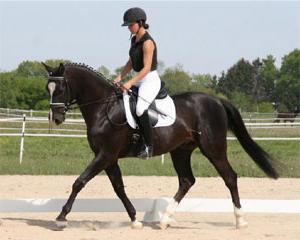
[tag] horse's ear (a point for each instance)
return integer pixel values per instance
(61, 68)
(48, 68)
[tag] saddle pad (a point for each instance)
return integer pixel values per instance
(165, 106)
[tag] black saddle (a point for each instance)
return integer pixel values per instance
(152, 111)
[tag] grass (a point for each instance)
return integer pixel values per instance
(66, 156)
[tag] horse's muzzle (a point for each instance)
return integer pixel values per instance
(57, 118)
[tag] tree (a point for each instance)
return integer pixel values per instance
(8, 91)
(105, 71)
(288, 85)
(269, 75)
(25, 86)
(258, 93)
(177, 80)
(239, 78)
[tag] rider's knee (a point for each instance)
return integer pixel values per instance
(140, 110)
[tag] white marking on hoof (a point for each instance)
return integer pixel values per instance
(166, 221)
(240, 221)
(167, 216)
(164, 225)
(136, 225)
(61, 224)
(171, 208)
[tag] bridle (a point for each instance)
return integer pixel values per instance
(66, 104)
(69, 105)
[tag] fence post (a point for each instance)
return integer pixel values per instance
(22, 138)
(162, 159)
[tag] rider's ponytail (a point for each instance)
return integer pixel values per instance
(143, 24)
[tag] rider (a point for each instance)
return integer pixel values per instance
(143, 60)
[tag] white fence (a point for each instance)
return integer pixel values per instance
(80, 122)
(153, 208)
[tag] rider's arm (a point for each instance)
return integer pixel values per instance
(126, 69)
(148, 49)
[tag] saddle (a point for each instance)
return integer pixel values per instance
(152, 111)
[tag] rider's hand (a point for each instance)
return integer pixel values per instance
(117, 79)
(126, 86)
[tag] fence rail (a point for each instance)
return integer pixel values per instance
(153, 208)
(42, 120)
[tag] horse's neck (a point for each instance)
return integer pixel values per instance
(90, 88)
(91, 94)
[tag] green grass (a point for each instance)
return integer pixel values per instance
(66, 156)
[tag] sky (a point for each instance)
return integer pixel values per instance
(204, 37)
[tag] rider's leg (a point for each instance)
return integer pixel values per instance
(148, 90)
(146, 132)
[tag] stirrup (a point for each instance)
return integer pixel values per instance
(146, 153)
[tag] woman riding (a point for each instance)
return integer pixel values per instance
(143, 60)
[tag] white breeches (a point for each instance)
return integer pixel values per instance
(149, 87)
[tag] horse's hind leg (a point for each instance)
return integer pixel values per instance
(181, 159)
(218, 157)
(115, 176)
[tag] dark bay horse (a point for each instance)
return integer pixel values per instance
(286, 116)
(202, 121)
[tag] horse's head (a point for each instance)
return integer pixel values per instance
(58, 89)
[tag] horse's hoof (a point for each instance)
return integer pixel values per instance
(61, 224)
(242, 224)
(164, 225)
(166, 221)
(136, 225)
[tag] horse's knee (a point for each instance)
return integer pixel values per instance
(119, 190)
(78, 185)
(231, 181)
(187, 183)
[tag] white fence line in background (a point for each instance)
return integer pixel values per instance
(46, 129)
(8, 111)
(84, 136)
(43, 135)
(81, 122)
(76, 121)
(153, 208)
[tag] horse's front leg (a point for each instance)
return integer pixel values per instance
(99, 163)
(115, 176)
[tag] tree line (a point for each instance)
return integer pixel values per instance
(252, 86)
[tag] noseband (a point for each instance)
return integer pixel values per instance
(66, 104)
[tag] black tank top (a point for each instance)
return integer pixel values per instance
(137, 56)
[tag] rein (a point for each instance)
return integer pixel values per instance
(69, 105)
(117, 88)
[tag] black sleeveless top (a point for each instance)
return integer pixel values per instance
(137, 56)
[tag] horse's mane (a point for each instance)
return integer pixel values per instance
(88, 69)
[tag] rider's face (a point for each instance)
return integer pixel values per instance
(133, 28)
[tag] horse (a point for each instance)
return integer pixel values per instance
(202, 121)
(286, 116)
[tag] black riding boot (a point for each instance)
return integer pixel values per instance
(146, 132)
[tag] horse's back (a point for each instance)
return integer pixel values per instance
(201, 109)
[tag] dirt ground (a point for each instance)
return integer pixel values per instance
(92, 226)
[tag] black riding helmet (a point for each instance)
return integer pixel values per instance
(133, 15)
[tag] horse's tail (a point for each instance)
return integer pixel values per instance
(237, 126)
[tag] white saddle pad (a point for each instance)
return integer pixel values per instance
(165, 106)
